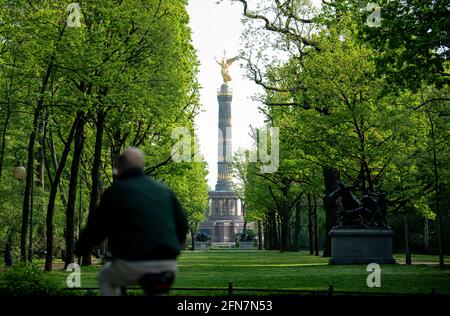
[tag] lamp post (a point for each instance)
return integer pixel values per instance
(19, 173)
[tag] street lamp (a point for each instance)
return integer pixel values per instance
(20, 173)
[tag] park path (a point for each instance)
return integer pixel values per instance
(418, 261)
(60, 265)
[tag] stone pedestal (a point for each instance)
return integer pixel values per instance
(361, 246)
(246, 245)
(201, 245)
(224, 217)
(222, 230)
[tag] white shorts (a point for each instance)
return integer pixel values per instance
(120, 273)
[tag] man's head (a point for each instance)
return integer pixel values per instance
(131, 158)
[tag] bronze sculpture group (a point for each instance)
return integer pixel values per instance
(370, 212)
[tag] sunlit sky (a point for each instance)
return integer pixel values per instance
(215, 28)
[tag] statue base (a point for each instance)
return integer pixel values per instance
(361, 246)
(222, 229)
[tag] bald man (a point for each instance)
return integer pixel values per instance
(145, 226)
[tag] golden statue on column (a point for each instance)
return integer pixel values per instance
(225, 64)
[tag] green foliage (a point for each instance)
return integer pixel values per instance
(412, 42)
(369, 103)
(130, 61)
(189, 183)
(26, 280)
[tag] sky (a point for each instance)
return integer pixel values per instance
(215, 28)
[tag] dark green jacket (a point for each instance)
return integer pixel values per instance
(141, 218)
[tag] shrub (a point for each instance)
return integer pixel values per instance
(201, 237)
(248, 236)
(27, 280)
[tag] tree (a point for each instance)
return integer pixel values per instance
(125, 77)
(275, 194)
(191, 188)
(412, 42)
(345, 114)
(286, 27)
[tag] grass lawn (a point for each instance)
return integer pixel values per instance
(274, 270)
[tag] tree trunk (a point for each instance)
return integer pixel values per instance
(316, 227)
(272, 231)
(28, 186)
(310, 225)
(74, 171)
(8, 255)
(95, 172)
(297, 226)
(3, 145)
(426, 235)
(407, 249)
(193, 238)
(260, 236)
(52, 197)
(436, 190)
(30, 163)
(276, 233)
(331, 178)
(7, 118)
(80, 211)
(441, 240)
(54, 160)
(115, 153)
(266, 237)
(41, 157)
(284, 229)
